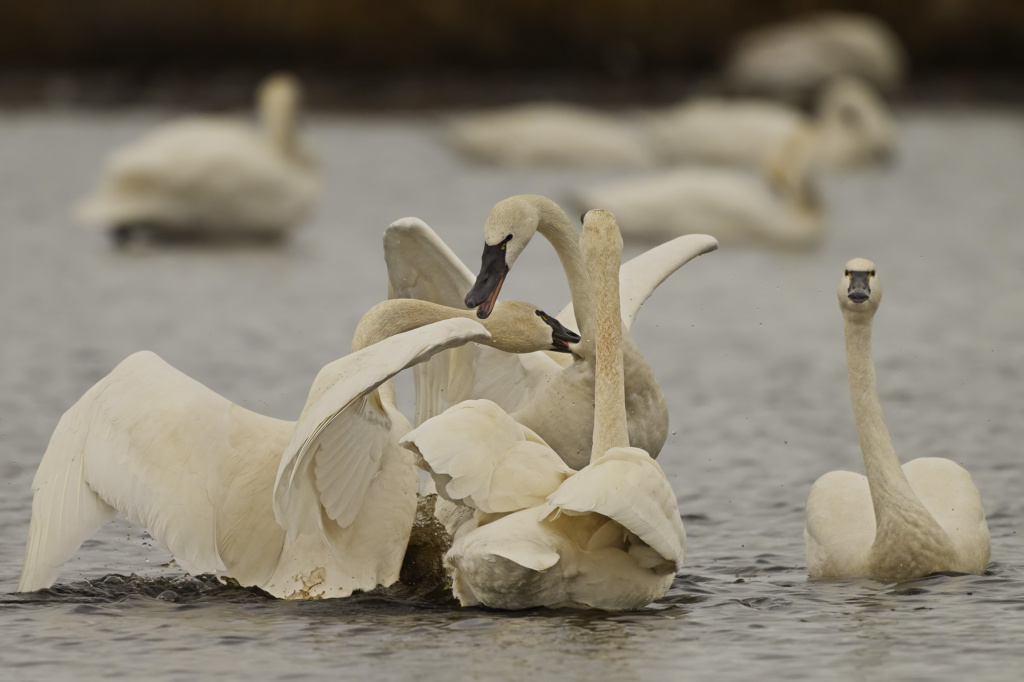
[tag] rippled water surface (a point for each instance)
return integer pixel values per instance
(747, 345)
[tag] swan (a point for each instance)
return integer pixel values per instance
(898, 522)
(552, 399)
(852, 126)
(211, 175)
(791, 59)
(314, 508)
(550, 134)
(734, 205)
(608, 536)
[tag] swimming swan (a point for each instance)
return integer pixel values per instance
(733, 205)
(852, 126)
(211, 175)
(552, 399)
(898, 522)
(314, 508)
(608, 536)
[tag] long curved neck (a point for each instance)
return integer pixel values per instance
(556, 227)
(399, 315)
(891, 494)
(277, 117)
(604, 253)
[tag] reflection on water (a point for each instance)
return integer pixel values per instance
(748, 347)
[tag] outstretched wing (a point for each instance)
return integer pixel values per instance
(157, 446)
(640, 276)
(335, 450)
(420, 265)
(629, 487)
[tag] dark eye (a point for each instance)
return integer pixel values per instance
(847, 273)
(871, 274)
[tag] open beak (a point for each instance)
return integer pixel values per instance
(493, 269)
(561, 336)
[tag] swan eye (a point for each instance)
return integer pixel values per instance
(847, 273)
(505, 241)
(871, 273)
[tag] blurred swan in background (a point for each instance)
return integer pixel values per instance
(852, 126)
(897, 522)
(792, 60)
(314, 508)
(734, 205)
(552, 398)
(852, 123)
(208, 175)
(609, 536)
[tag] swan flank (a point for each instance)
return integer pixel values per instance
(897, 522)
(553, 400)
(852, 126)
(314, 508)
(608, 536)
(211, 175)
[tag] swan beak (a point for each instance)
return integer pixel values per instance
(561, 336)
(860, 287)
(493, 269)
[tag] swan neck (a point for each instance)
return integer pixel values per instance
(610, 428)
(890, 490)
(556, 227)
(277, 117)
(399, 315)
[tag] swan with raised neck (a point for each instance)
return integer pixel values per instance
(923, 517)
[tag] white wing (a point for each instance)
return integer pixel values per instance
(420, 265)
(480, 457)
(335, 451)
(639, 277)
(160, 448)
(629, 487)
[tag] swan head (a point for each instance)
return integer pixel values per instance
(860, 291)
(509, 228)
(518, 327)
(856, 123)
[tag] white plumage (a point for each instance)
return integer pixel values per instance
(897, 522)
(210, 175)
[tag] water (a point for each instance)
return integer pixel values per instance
(747, 345)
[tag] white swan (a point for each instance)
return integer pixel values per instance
(551, 134)
(792, 59)
(551, 399)
(314, 508)
(608, 536)
(898, 522)
(211, 175)
(852, 126)
(733, 205)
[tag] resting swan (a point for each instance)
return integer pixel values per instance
(608, 536)
(211, 175)
(852, 126)
(898, 522)
(307, 509)
(791, 59)
(551, 399)
(733, 205)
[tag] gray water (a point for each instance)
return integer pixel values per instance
(747, 345)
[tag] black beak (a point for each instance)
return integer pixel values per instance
(561, 336)
(860, 287)
(484, 293)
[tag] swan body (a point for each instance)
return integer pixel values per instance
(550, 134)
(211, 175)
(897, 522)
(608, 536)
(852, 126)
(314, 508)
(792, 59)
(732, 205)
(552, 399)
